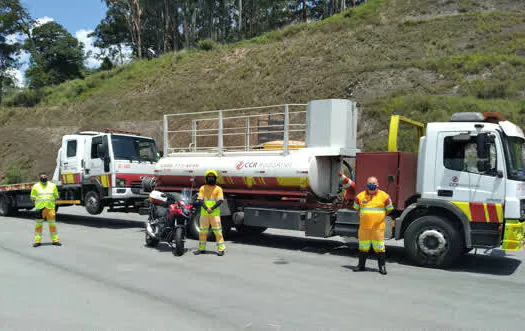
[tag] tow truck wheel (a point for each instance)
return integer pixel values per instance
(432, 241)
(93, 203)
(5, 206)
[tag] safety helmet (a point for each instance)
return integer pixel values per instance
(211, 172)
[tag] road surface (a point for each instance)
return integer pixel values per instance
(105, 278)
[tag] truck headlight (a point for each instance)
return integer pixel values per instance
(121, 182)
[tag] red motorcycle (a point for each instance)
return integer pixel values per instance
(169, 215)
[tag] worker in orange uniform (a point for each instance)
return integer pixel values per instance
(210, 197)
(43, 195)
(373, 205)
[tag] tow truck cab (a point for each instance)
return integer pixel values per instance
(105, 168)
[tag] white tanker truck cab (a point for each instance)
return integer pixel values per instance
(464, 189)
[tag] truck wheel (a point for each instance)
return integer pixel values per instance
(93, 203)
(5, 206)
(431, 241)
(194, 226)
(226, 224)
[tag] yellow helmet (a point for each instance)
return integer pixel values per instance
(211, 172)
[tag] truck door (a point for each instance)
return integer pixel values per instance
(467, 180)
(96, 164)
(70, 160)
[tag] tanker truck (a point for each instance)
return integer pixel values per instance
(463, 189)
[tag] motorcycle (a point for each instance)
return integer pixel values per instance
(169, 215)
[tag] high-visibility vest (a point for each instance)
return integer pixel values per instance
(210, 195)
(44, 196)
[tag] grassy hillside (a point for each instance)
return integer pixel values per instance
(421, 58)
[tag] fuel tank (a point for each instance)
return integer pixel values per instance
(300, 170)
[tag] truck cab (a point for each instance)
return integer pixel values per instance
(105, 168)
(471, 189)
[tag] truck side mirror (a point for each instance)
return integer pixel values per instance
(483, 145)
(106, 160)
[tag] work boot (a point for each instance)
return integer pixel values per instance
(362, 261)
(381, 260)
(220, 253)
(57, 243)
(37, 244)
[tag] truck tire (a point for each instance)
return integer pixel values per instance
(5, 206)
(194, 226)
(93, 203)
(432, 241)
(148, 184)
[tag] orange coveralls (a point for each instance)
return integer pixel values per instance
(372, 214)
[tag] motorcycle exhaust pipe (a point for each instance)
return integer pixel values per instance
(150, 230)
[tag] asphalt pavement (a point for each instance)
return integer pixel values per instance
(104, 278)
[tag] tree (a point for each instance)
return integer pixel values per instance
(14, 20)
(113, 32)
(106, 64)
(56, 56)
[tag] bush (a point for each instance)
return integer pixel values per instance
(25, 98)
(483, 89)
(13, 176)
(207, 45)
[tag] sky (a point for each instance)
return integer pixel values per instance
(79, 17)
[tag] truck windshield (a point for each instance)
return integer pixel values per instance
(134, 148)
(516, 164)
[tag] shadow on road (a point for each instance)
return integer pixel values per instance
(91, 221)
(99, 222)
(493, 263)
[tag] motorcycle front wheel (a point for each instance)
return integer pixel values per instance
(178, 248)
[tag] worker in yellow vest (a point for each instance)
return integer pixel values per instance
(210, 197)
(44, 195)
(373, 205)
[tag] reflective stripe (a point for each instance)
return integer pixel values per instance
(373, 209)
(221, 246)
(389, 207)
(364, 244)
(356, 206)
(378, 244)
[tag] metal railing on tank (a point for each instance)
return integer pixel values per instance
(275, 127)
